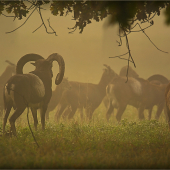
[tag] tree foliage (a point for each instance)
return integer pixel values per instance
(128, 14)
(122, 12)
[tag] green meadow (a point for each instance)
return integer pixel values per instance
(96, 144)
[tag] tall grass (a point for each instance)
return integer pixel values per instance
(98, 144)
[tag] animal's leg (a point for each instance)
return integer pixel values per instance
(140, 113)
(1, 112)
(13, 118)
(7, 111)
(89, 113)
(61, 108)
(165, 112)
(72, 113)
(81, 113)
(66, 112)
(42, 113)
(87, 110)
(168, 115)
(120, 111)
(34, 114)
(109, 111)
(150, 113)
(106, 102)
(159, 111)
(47, 116)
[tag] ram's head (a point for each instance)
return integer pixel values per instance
(43, 65)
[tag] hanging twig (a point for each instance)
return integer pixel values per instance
(50, 26)
(39, 11)
(120, 43)
(37, 28)
(130, 56)
(122, 58)
(127, 45)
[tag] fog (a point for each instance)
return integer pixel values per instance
(85, 53)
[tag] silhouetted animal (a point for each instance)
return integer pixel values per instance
(137, 92)
(85, 95)
(32, 90)
(122, 73)
(56, 95)
(159, 77)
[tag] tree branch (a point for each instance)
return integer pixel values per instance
(51, 27)
(120, 57)
(149, 18)
(130, 56)
(24, 22)
(37, 28)
(75, 27)
(7, 15)
(31, 7)
(44, 23)
(120, 43)
(150, 39)
(35, 4)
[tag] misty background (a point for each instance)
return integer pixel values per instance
(85, 53)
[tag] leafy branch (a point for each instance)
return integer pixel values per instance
(125, 13)
(24, 22)
(39, 11)
(127, 32)
(35, 5)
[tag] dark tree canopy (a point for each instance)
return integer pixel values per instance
(127, 14)
(123, 12)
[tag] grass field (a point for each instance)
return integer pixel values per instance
(98, 144)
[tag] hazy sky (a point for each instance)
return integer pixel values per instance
(85, 53)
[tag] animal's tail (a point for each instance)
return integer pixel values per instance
(9, 86)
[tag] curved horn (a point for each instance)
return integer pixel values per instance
(60, 60)
(23, 60)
